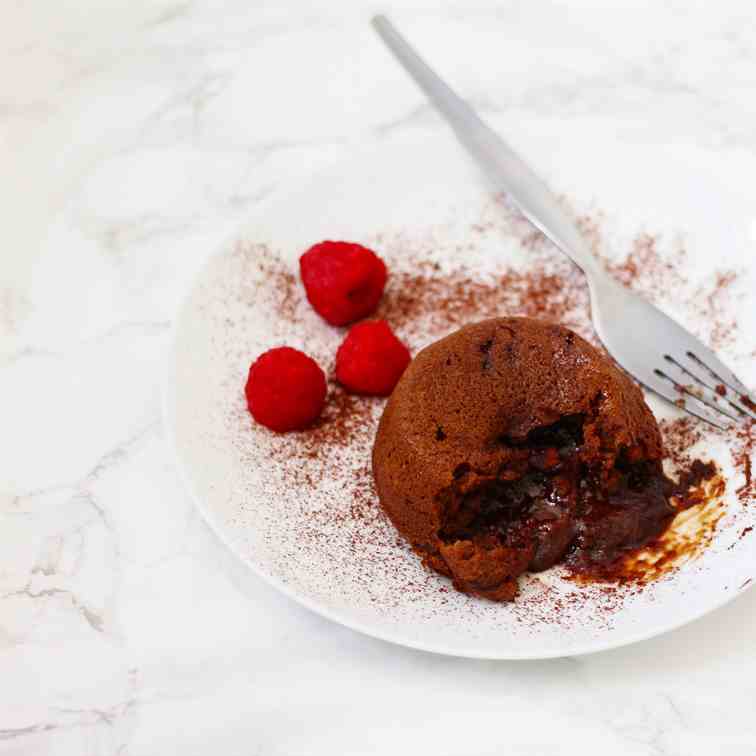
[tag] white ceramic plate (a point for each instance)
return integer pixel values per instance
(300, 508)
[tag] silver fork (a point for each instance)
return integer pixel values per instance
(652, 347)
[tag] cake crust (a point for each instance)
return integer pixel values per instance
(512, 444)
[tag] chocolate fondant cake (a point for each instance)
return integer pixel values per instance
(512, 445)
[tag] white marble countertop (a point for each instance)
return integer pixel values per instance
(134, 137)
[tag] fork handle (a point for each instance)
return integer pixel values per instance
(502, 165)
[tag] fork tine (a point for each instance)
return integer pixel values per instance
(680, 377)
(703, 357)
(665, 387)
(718, 394)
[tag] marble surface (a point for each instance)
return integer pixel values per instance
(134, 138)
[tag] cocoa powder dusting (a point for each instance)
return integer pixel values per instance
(427, 298)
(743, 451)
(646, 270)
(715, 308)
(447, 300)
(680, 436)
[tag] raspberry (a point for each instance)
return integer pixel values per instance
(371, 359)
(285, 390)
(344, 281)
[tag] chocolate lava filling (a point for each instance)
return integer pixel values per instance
(548, 505)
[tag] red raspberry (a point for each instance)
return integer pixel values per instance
(285, 390)
(371, 359)
(344, 281)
